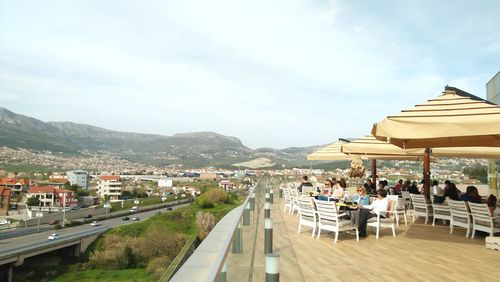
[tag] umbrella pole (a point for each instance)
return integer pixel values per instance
(427, 172)
(374, 171)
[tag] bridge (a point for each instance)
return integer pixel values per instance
(74, 243)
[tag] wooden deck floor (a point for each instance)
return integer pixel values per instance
(419, 253)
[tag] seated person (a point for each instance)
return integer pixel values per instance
(305, 182)
(492, 205)
(338, 191)
(327, 191)
(371, 188)
(362, 199)
(378, 207)
(471, 195)
(451, 191)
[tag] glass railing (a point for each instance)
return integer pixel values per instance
(229, 251)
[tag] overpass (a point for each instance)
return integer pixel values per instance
(74, 243)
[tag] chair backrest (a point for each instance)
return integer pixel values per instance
(459, 209)
(391, 207)
(327, 210)
(306, 207)
(480, 212)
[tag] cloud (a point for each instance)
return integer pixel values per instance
(274, 73)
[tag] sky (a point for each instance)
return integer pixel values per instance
(284, 73)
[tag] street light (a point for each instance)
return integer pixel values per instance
(107, 206)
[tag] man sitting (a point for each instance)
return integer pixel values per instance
(305, 183)
(379, 206)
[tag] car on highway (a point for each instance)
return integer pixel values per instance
(54, 236)
(169, 208)
(95, 223)
(158, 212)
(125, 218)
(134, 209)
(135, 218)
(53, 221)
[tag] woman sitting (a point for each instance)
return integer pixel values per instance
(338, 191)
(492, 205)
(471, 195)
(378, 207)
(362, 199)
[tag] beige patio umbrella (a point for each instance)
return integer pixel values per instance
(369, 145)
(332, 152)
(450, 120)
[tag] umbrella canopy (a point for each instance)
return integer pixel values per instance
(450, 120)
(334, 152)
(369, 145)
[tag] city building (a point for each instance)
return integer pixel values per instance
(4, 200)
(109, 186)
(78, 177)
(52, 196)
(17, 185)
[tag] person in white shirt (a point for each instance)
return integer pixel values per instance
(379, 206)
(338, 191)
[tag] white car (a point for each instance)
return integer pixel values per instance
(134, 209)
(135, 218)
(54, 236)
(95, 223)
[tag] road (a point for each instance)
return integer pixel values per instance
(21, 241)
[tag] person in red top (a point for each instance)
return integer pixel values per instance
(399, 186)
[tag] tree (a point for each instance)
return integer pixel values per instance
(479, 172)
(33, 201)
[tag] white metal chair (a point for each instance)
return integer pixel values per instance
(482, 220)
(295, 200)
(379, 222)
(307, 214)
(460, 215)
(288, 200)
(421, 207)
(440, 211)
(330, 219)
(405, 196)
(399, 208)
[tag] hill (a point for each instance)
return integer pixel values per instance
(197, 149)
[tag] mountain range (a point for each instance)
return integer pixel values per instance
(197, 149)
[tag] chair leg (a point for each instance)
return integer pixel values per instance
(314, 231)
(336, 236)
(357, 234)
(451, 228)
(378, 230)
(433, 220)
(298, 231)
(406, 222)
(319, 232)
(468, 231)
(393, 231)
(473, 233)
(397, 218)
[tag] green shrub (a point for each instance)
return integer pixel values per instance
(157, 266)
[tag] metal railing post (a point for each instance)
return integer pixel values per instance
(268, 236)
(246, 215)
(272, 267)
(237, 241)
(267, 210)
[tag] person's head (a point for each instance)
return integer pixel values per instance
(328, 183)
(342, 183)
(305, 178)
(472, 190)
(400, 181)
(447, 183)
(381, 193)
(334, 180)
(452, 186)
(434, 183)
(369, 181)
(408, 183)
(361, 190)
(492, 201)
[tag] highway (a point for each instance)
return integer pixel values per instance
(7, 245)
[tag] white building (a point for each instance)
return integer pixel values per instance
(78, 177)
(109, 185)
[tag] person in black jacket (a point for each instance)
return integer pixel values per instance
(305, 182)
